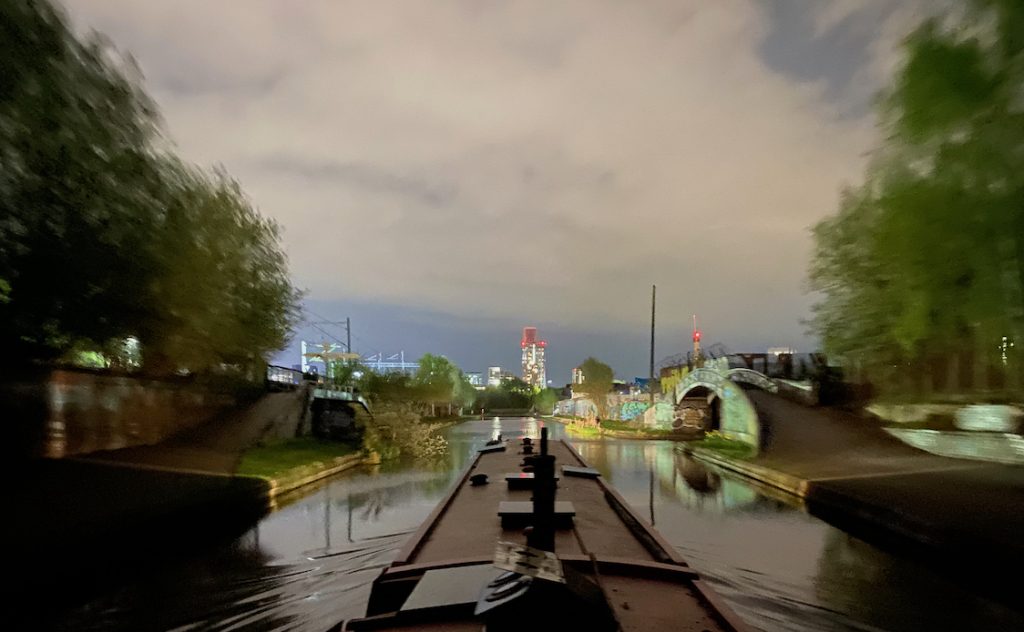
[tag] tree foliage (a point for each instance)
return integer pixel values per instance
(597, 382)
(511, 394)
(387, 387)
(545, 399)
(437, 382)
(104, 235)
(923, 263)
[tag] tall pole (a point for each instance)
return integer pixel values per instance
(348, 335)
(650, 381)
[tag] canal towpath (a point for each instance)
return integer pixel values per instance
(849, 471)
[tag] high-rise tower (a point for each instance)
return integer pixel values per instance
(533, 358)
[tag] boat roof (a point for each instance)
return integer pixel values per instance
(646, 583)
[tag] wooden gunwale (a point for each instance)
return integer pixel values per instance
(721, 610)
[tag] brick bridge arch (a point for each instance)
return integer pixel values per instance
(739, 419)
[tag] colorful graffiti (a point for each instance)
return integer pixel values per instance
(576, 408)
(660, 416)
(632, 410)
(674, 377)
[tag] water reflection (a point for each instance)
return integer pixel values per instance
(781, 568)
(310, 563)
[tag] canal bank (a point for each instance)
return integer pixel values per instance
(302, 465)
(962, 516)
(80, 521)
(623, 432)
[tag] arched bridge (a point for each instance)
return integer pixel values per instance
(737, 415)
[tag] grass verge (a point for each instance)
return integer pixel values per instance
(725, 447)
(274, 459)
(610, 424)
(582, 431)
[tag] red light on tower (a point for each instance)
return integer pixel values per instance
(696, 341)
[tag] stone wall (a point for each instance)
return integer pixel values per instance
(739, 418)
(67, 412)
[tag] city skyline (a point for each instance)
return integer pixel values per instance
(475, 346)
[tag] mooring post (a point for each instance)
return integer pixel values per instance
(542, 535)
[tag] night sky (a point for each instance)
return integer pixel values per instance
(448, 172)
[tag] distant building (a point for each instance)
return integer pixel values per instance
(577, 375)
(777, 351)
(382, 363)
(494, 376)
(534, 372)
(476, 378)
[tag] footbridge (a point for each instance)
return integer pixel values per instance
(329, 409)
(734, 414)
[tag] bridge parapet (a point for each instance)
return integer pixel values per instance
(340, 394)
(754, 378)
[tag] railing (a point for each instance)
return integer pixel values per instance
(279, 376)
(343, 393)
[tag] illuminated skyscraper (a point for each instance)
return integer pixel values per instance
(494, 376)
(533, 358)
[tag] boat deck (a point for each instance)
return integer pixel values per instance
(644, 580)
(470, 526)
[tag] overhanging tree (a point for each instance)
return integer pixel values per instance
(103, 234)
(921, 269)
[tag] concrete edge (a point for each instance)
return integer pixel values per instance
(878, 524)
(766, 476)
(820, 498)
(301, 476)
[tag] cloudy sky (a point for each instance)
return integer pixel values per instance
(447, 172)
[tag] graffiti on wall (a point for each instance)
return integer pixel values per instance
(632, 410)
(675, 376)
(576, 408)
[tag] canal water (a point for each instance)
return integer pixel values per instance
(309, 564)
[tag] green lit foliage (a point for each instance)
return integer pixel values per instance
(921, 269)
(103, 235)
(545, 399)
(343, 372)
(511, 394)
(597, 383)
(382, 388)
(517, 386)
(436, 379)
(438, 382)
